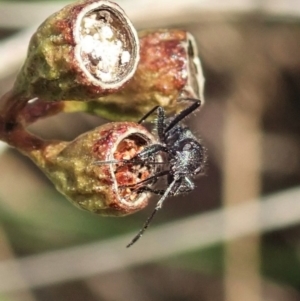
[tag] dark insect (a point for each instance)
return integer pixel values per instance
(184, 157)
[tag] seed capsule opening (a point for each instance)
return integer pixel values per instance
(128, 176)
(107, 44)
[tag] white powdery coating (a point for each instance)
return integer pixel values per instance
(99, 43)
(87, 44)
(89, 21)
(125, 58)
(106, 32)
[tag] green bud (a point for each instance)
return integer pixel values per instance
(95, 186)
(85, 50)
(169, 69)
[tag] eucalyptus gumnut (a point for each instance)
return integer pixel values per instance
(79, 171)
(87, 49)
(169, 69)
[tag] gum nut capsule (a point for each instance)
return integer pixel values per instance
(169, 69)
(79, 170)
(87, 49)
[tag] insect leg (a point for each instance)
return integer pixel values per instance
(149, 219)
(148, 151)
(148, 114)
(138, 158)
(186, 186)
(196, 104)
(154, 177)
(124, 162)
(148, 189)
(171, 190)
(160, 123)
(141, 232)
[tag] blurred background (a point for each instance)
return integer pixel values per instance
(236, 236)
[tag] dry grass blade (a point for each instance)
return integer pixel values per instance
(275, 211)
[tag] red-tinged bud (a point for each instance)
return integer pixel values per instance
(169, 69)
(79, 171)
(87, 49)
